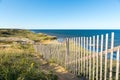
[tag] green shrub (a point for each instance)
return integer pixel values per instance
(22, 68)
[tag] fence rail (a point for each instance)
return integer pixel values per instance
(92, 57)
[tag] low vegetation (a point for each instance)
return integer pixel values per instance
(19, 33)
(18, 60)
(19, 63)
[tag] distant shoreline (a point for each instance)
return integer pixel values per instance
(15, 35)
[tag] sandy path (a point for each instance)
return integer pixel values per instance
(56, 69)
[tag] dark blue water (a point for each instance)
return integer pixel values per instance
(61, 34)
(75, 33)
(79, 33)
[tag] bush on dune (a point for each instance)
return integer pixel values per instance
(25, 34)
(19, 63)
(21, 66)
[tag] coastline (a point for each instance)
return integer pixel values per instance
(22, 35)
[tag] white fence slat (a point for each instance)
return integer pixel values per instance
(101, 57)
(74, 56)
(84, 58)
(77, 56)
(71, 53)
(67, 51)
(79, 62)
(111, 56)
(76, 65)
(106, 48)
(81, 52)
(97, 48)
(70, 50)
(87, 67)
(117, 64)
(72, 65)
(90, 59)
(93, 58)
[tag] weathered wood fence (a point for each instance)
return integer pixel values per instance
(95, 57)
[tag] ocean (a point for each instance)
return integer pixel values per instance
(62, 34)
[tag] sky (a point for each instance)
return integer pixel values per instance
(60, 14)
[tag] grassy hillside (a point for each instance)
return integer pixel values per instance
(25, 34)
(19, 61)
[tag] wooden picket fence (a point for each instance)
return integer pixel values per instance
(94, 58)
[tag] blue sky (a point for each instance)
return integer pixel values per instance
(60, 14)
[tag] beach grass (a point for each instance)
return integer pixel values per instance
(21, 33)
(18, 62)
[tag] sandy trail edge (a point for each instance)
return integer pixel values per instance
(56, 69)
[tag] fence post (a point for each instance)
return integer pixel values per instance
(79, 56)
(90, 59)
(76, 64)
(74, 56)
(111, 56)
(81, 52)
(106, 56)
(67, 52)
(84, 58)
(101, 57)
(117, 64)
(70, 53)
(93, 57)
(87, 67)
(97, 48)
